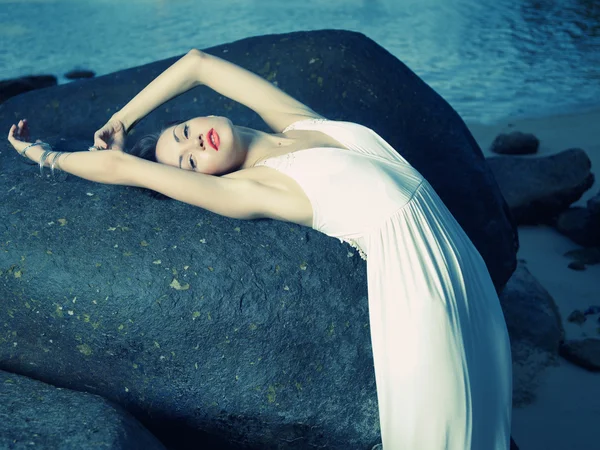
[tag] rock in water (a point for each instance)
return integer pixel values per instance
(13, 87)
(235, 334)
(76, 74)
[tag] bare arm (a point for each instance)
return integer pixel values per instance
(177, 79)
(93, 166)
(275, 107)
(235, 197)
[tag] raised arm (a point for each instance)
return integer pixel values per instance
(235, 197)
(275, 107)
(238, 198)
(177, 79)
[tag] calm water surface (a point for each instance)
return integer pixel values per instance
(489, 58)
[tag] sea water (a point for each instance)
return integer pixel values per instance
(488, 58)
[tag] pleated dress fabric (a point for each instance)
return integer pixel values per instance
(440, 344)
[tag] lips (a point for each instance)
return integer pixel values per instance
(212, 134)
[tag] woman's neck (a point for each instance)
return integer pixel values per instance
(257, 145)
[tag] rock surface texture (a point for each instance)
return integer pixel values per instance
(34, 414)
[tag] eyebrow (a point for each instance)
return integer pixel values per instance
(177, 140)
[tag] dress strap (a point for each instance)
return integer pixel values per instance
(307, 121)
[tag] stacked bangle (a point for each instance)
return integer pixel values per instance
(43, 159)
(24, 151)
(48, 151)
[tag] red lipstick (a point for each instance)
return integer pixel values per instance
(212, 134)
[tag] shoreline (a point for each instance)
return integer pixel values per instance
(557, 111)
(556, 134)
(566, 410)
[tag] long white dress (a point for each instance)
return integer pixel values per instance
(440, 343)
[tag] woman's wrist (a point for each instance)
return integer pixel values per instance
(118, 116)
(36, 151)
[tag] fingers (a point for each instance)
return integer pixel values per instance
(99, 144)
(98, 138)
(11, 133)
(19, 131)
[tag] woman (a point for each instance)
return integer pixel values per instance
(440, 344)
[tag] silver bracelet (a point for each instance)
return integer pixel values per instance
(54, 161)
(43, 161)
(24, 151)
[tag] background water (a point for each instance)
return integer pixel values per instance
(489, 58)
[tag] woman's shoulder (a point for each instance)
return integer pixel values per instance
(306, 122)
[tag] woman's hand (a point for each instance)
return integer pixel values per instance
(18, 136)
(111, 136)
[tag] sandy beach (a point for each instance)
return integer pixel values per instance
(566, 413)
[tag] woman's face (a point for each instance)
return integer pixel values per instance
(189, 145)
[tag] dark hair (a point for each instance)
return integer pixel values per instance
(145, 148)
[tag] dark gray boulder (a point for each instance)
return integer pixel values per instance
(233, 334)
(76, 74)
(581, 225)
(593, 205)
(535, 329)
(582, 257)
(34, 414)
(538, 189)
(515, 143)
(13, 87)
(342, 75)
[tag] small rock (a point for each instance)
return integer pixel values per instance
(577, 317)
(585, 353)
(515, 143)
(576, 265)
(585, 256)
(593, 206)
(594, 309)
(79, 73)
(579, 225)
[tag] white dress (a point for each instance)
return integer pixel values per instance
(440, 343)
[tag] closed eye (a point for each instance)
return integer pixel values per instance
(185, 128)
(192, 163)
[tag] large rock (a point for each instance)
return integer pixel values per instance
(234, 334)
(535, 329)
(36, 415)
(538, 189)
(340, 74)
